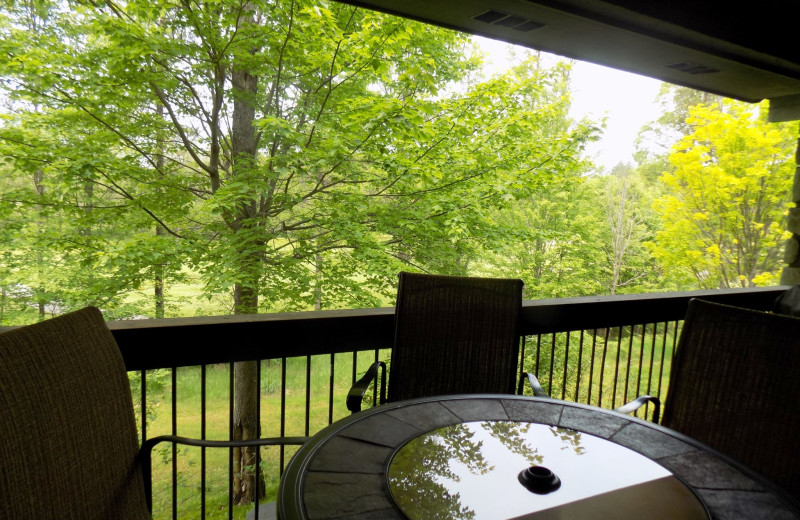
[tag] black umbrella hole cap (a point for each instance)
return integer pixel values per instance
(539, 480)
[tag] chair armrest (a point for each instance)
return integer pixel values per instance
(146, 452)
(538, 391)
(356, 393)
(639, 402)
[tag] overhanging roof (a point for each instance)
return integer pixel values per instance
(743, 51)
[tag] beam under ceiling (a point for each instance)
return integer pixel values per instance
(742, 52)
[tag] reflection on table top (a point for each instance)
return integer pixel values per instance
(471, 471)
(342, 472)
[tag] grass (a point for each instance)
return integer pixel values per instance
(187, 383)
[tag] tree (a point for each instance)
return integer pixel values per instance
(554, 248)
(656, 138)
(723, 216)
(543, 235)
(629, 219)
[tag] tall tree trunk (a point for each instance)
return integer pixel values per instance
(158, 269)
(86, 231)
(248, 479)
(318, 282)
(158, 281)
(38, 181)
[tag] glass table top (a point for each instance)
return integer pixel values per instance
(471, 471)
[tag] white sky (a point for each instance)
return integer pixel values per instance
(627, 100)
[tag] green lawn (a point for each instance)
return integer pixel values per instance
(188, 424)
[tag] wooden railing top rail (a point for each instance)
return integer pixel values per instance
(593, 312)
(169, 342)
(147, 344)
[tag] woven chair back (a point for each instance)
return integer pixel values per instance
(68, 442)
(734, 386)
(454, 335)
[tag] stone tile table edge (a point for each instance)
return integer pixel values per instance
(538, 411)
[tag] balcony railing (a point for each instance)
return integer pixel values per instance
(597, 350)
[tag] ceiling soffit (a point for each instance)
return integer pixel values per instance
(703, 45)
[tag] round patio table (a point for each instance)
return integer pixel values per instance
(485, 457)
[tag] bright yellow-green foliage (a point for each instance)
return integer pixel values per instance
(727, 195)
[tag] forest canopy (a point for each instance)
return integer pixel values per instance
(163, 158)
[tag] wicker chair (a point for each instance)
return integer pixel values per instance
(68, 443)
(57, 378)
(734, 386)
(453, 335)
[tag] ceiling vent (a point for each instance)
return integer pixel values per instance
(692, 68)
(516, 23)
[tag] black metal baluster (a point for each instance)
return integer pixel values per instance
(283, 413)
(257, 468)
(174, 445)
(308, 396)
(591, 366)
(663, 356)
(566, 368)
(650, 370)
(641, 365)
(678, 325)
(143, 418)
(552, 362)
(355, 368)
(375, 382)
(603, 368)
(675, 336)
(580, 366)
(628, 364)
(330, 388)
(616, 368)
(521, 361)
(231, 397)
(203, 420)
